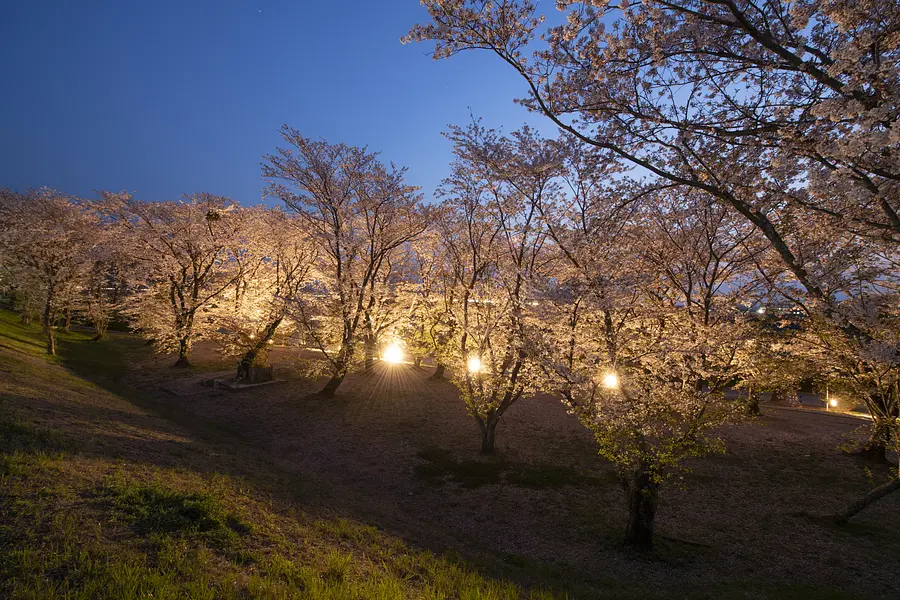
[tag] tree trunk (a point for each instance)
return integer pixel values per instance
(258, 351)
(642, 496)
(417, 361)
(875, 448)
(51, 340)
(49, 326)
(370, 352)
(182, 361)
(488, 433)
(753, 404)
(68, 322)
(331, 387)
(881, 491)
(438, 372)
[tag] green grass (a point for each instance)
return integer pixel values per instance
(78, 521)
(75, 524)
(155, 509)
(104, 359)
(439, 466)
(166, 533)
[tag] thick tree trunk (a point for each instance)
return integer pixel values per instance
(642, 496)
(438, 372)
(182, 361)
(875, 448)
(99, 335)
(331, 387)
(753, 404)
(880, 492)
(488, 433)
(51, 340)
(256, 355)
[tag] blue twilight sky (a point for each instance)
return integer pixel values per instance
(165, 97)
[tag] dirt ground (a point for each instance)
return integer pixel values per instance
(400, 452)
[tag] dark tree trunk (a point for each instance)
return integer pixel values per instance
(875, 448)
(68, 321)
(880, 492)
(417, 361)
(642, 496)
(255, 356)
(331, 387)
(438, 372)
(488, 433)
(259, 349)
(753, 404)
(25, 319)
(182, 361)
(47, 321)
(370, 352)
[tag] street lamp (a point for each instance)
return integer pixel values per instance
(474, 364)
(611, 381)
(393, 354)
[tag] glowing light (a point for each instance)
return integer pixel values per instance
(271, 341)
(393, 354)
(833, 402)
(474, 364)
(252, 336)
(761, 310)
(611, 381)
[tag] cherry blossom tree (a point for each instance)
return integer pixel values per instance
(784, 112)
(183, 252)
(430, 324)
(493, 239)
(360, 215)
(274, 261)
(48, 240)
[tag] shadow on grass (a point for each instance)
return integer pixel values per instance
(440, 466)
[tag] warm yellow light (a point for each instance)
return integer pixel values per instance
(271, 341)
(833, 402)
(474, 364)
(611, 381)
(393, 353)
(252, 336)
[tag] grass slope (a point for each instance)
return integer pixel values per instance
(97, 501)
(121, 478)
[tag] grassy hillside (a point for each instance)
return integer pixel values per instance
(123, 478)
(102, 496)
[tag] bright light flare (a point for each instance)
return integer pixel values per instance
(474, 364)
(611, 381)
(393, 354)
(833, 403)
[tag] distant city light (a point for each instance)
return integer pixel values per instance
(474, 364)
(393, 354)
(611, 381)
